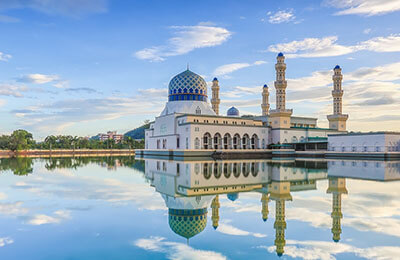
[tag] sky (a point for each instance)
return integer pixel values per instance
(81, 67)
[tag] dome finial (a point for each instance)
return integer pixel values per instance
(187, 67)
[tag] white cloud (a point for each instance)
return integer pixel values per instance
(176, 251)
(186, 39)
(72, 8)
(41, 219)
(229, 68)
(5, 241)
(327, 46)
(39, 78)
(56, 116)
(311, 47)
(62, 84)
(281, 16)
(4, 57)
(225, 228)
(12, 208)
(365, 7)
(381, 44)
(12, 90)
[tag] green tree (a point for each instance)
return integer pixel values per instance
(21, 140)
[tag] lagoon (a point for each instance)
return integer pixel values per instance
(127, 208)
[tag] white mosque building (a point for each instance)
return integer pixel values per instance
(188, 122)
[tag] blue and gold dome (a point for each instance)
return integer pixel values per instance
(187, 86)
(233, 111)
(187, 222)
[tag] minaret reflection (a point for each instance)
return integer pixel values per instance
(337, 186)
(264, 206)
(280, 192)
(215, 211)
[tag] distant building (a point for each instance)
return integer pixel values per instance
(111, 135)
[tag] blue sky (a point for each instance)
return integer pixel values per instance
(88, 66)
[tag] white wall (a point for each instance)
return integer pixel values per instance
(379, 142)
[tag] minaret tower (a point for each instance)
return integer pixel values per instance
(265, 101)
(215, 211)
(264, 210)
(280, 117)
(337, 120)
(337, 186)
(280, 82)
(280, 193)
(215, 96)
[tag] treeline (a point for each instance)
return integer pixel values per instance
(23, 140)
(24, 165)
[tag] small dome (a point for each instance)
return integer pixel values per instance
(187, 222)
(280, 54)
(233, 196)
(265, 86)
(233, 111)
(337, 67)
(187, 86)
(264, 219)
(215, 79)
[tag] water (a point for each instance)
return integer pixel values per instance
(121, 208)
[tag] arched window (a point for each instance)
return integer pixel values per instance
(236, 141)
(245, 141)
(227, 141)
(207, 141)
(217, 141)
(254, 142)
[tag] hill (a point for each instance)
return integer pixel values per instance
(138, 133)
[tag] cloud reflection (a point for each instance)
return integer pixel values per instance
(176, 251)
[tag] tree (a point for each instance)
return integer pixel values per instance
(21, 140)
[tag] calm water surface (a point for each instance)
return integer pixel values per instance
(122, 208)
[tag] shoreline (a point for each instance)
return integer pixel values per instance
(67, 153)
(266, 154)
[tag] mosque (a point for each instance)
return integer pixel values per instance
(188, 122)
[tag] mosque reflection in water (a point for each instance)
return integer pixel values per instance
(191, 188)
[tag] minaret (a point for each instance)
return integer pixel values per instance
(215, 212)
(264, 209)
(280, 193)
(265, 101)
(280, 82)
(337, 120)
(215, 96)
(280, 117)
(337, 186)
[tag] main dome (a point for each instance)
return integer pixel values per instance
(187, 86)
(187, 222)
